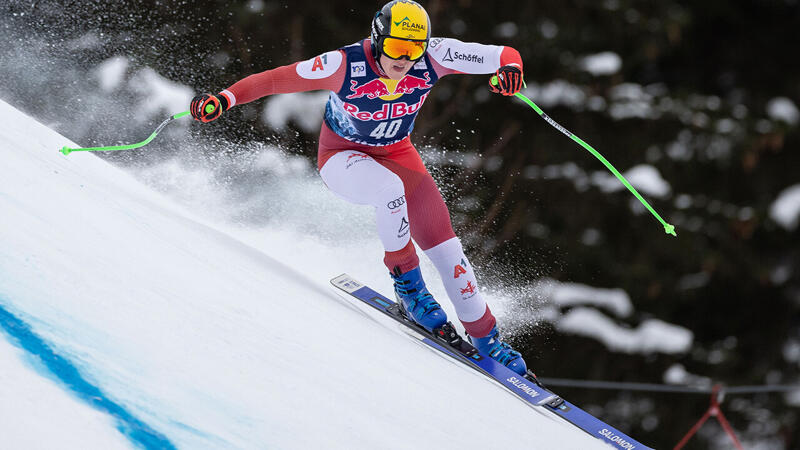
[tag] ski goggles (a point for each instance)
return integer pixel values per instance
(396, 48)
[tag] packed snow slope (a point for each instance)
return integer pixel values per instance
(128, 321)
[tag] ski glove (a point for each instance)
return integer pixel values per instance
(208, 107)
(509, 80)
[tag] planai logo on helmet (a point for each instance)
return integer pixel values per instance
(407, 24)
(402, 19)
(412, 23)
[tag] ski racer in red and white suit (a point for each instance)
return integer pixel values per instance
(365, 154)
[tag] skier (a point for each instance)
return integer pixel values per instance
(366, 157)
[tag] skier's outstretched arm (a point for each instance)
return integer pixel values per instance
(451, 56)
(323, 72)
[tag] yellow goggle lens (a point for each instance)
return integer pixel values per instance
(398, 48)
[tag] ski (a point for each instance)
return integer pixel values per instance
(448, 342)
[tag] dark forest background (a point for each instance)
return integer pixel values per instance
(706, 70)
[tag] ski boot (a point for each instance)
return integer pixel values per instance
(416, 302)
(501, 352)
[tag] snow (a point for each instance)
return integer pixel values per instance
(604, 63)
(791, 351)
(571, 294)
(694, 281)
(209, 332)
(650, 336)
(782, 108)
(683, 201)
(255, 5)
(548, 28)
(591, 236)
(28, 402)
(679, 376)
(631, 100)
(111, 73)
(583, 315)
(785, 210)
(793, 398)
(781, 274)
(555, 93)
(506, 30)
(158, 95)
(644, 177)
(305, 109)
(86, 41)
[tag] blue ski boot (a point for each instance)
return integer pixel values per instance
(501, 352)
(417, 303)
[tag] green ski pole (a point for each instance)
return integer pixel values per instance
(67, 150)
(669, 229)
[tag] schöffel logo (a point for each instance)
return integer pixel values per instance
(404, 227)
(451, 56)
(396, 203)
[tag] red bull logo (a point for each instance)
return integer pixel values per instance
(388, 110)
(387, 89)
(371, 89)
(410, 83)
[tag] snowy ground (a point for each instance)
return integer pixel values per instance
(37, 413)
(206, 336)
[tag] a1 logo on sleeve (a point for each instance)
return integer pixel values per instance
(358, 69)
(321, 66)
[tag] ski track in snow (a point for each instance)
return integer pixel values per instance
(211, 335)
